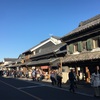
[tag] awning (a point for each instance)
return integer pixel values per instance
(44, 67)
(81, 57)
(17, 65)
(42, 62)
(10, 66)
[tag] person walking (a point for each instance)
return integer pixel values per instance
(71, 79)
(53, 77)
(75, 81)
(59, 79)
(95, 81)
(34, 74)
(27, 74)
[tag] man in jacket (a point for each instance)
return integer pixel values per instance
(71, 79)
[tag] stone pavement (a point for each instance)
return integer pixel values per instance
(82, 89)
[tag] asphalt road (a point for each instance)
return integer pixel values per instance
(15, 89)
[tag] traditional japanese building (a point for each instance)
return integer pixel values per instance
(47, 58)
(9, 63)
(1, 65)
(37, 55)
(83, 48)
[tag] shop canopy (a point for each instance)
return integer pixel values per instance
(42, 62)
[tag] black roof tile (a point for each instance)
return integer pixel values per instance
(85, 25)
(82, 57)
(48, 50)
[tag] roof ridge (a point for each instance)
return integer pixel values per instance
(89, 20)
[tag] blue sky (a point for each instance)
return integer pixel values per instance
(25, 23)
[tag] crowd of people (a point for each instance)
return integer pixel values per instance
(13, 73)
(35, 74)
(39, 75)
(56, 78)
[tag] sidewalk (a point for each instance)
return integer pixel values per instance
(81, 89)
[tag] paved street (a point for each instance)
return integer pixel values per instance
(15, 89)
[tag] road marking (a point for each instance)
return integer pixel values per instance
(37, 98)
(30, 87)
(57, 88)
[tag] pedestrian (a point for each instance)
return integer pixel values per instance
(15, 74)
(75, 81)
(34, 74)
(38, 75)
(87, 75)
(95, 81)
(71, 79)
(53, 77)
(59, 79)
(27, 74)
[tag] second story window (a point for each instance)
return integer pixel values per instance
(75, 47)
(84, 45)
(95, 43)
(71, 48)
(89, 44)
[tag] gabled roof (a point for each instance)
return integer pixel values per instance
(56, 37)
(42, 43)
(85, 25)
(49, 49)
(46, 41)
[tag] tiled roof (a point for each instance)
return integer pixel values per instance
(81, 57)
(1, 62)
(29, 50)
(10, 59)
(49, 50)
(16, 65)
(18, 60)
(91, 24)
(90, 20)
(63, 51)
(56, 37)
(41, 62)
(85, 25)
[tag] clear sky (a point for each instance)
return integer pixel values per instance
(25, 23)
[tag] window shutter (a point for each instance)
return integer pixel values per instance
(71, 48)
(89, 44)
(80, 47)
